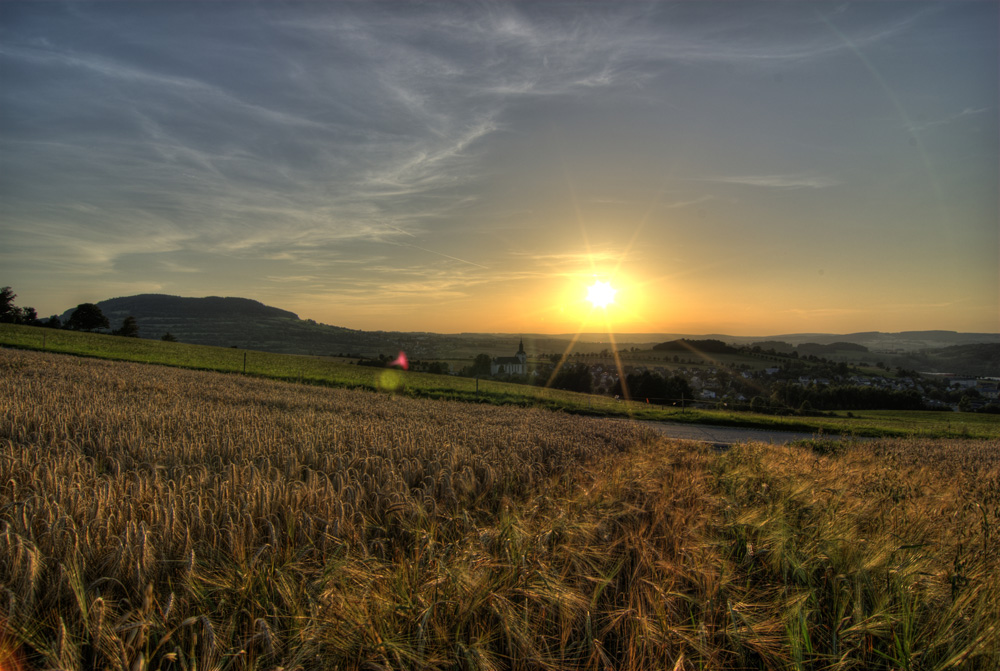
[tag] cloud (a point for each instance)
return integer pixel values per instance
(965, 113)
(342, 144)
(442, 254)
(677, 204)
(357, 116)
(792, 181)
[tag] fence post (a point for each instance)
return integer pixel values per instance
(244, 363)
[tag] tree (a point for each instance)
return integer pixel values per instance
(129, 329)
(8, 311)
(28, 316)
(168, 337)
(54, 322)
(481, 365)
(87, 317)
(437, 368)
(647, 385)
(575, 377)
(11, 314)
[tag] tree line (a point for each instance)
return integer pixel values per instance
(86, 317)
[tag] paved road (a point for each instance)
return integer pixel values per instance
(722, 436)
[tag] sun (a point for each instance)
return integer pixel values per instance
(601, 294)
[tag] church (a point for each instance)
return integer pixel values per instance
(511, 365)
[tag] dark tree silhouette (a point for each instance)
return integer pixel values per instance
(647, 385)
(87, 317)
(129, 329)
(481, 365)
(8, 311)
(29, 317)
(575, 377)
(11, 314)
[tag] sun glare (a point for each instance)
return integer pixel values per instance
(601, 294)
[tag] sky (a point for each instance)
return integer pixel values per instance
(744, 168)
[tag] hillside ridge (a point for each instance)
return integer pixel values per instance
(250, 324)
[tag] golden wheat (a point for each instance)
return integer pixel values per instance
(134, 476)
(154, 518)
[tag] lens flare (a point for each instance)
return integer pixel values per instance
(401, 362)
(392, 378)
(11, 658)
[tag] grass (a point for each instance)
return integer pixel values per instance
(155, 518)
(327, 372)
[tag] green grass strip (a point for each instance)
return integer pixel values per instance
(329, 372)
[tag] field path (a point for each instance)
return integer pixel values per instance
(724, 436)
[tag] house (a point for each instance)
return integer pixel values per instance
(511, 365)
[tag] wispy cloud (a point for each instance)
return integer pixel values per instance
(952, 118)
(308, 148)
(790, 181)
(441, 254)
(570, 259)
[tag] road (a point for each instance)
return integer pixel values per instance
(723, 436)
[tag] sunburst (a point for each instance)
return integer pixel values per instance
(601, 294)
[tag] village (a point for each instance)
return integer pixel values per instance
(780, 384)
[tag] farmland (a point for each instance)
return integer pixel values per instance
(162, 518)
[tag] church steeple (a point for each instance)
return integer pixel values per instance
(520, 347)
(522, 355)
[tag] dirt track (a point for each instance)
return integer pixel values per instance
(722, 436)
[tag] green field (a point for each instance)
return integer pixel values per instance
(331, 372)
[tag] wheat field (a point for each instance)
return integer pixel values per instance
(156, 518)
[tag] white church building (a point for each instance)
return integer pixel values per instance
(511, 365)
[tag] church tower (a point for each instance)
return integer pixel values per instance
(521, 355)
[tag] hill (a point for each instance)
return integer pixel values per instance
(818, 349)
(904, 341)
(972, 360)
(179, 307)
(227, 322)
(250, 324)
(695, 346)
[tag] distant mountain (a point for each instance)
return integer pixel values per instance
(162, 306)
(876, 341)
(249, 324)
(227, 322)
(903, 341)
